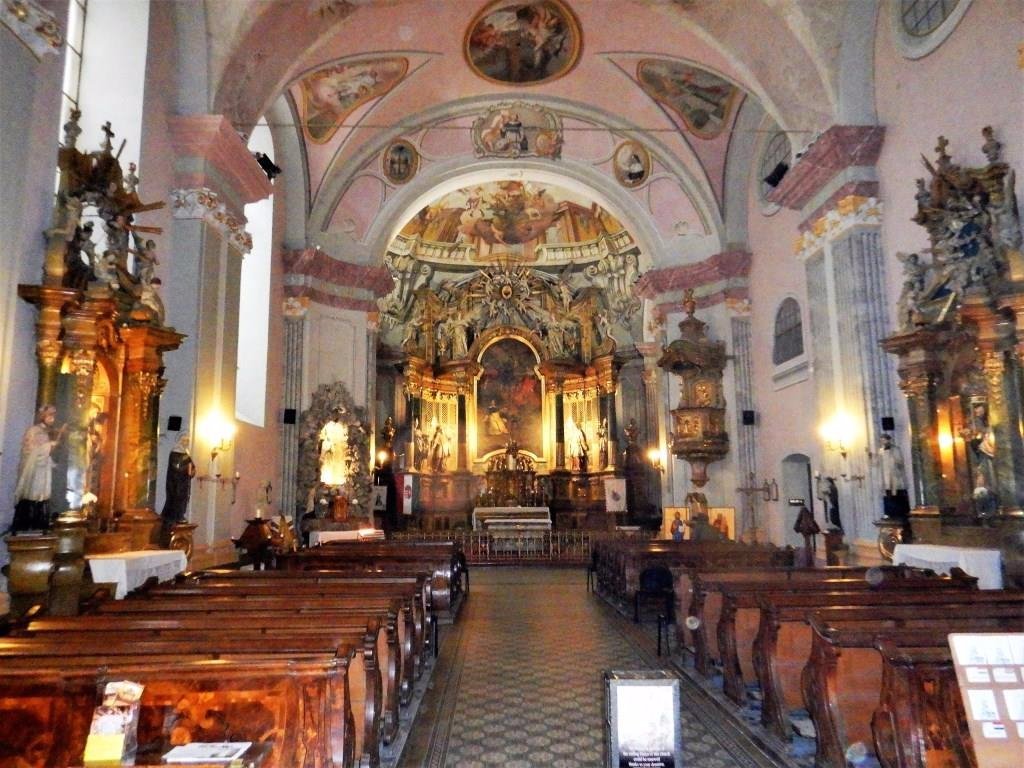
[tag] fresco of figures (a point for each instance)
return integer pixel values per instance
(517, 130)
(702, 100)
(330, 94)
(523, 43)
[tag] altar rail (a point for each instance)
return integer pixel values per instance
(542, 547)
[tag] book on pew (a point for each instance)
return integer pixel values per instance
(208, 752)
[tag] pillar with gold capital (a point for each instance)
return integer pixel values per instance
(50, 302)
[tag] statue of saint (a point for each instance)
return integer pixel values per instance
(579, 448)
(895, 500)
(440, 450)
(180, 471)
(35, 472)
(333, 453)
(828, 492)
(602, 445)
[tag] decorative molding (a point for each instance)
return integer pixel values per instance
(839, 148)
(851, 188)
(36, 28)
(728, 271)
(328, 299)
(214, 142)
(318, 267)
(203, 203)
(850, 211)
(295, 307)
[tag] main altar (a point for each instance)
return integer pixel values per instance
(505, 365)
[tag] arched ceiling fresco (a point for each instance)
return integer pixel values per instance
(670, 75)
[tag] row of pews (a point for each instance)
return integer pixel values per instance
(863, 650)
(316, 663)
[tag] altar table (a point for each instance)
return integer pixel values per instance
(985, 564)
(316, 538)
(487, 518)
(130, 570)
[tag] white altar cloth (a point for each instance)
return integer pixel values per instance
(316, 538)
(131, 569)
(526, 515)
(985, 564)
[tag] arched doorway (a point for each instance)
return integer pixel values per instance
(796, 484)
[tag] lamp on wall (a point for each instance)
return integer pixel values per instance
(219, 433)
(837, 433)
(656, 458)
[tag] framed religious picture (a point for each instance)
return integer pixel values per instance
(723, 519)
(632, 164)
(400, 161)
(673, 523)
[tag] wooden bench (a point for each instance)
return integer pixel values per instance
(710, 595)
(843, 678)
(783, 642)
(301, 709)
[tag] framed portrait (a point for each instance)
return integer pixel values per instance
(632, 164)
(400, 161)
(523, 43)
(724, 519)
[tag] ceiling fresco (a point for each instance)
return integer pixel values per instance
(511, 215)
(523, 43)
(330, 94)
(702, 100)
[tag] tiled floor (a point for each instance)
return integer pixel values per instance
(519, 681)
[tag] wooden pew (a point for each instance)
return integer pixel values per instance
(300, 708)
(261, 629)
(358, 647)
(920, 719)
(783, 642)
(710, 595)
(843, 677)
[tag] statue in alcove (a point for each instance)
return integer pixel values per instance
(334, 451)
(440, 450)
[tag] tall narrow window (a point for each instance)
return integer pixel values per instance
(789, 332)
(74, 40)
(254, 300)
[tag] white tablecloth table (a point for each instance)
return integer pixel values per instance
(481, 515)
(985, 564)
(130, 570)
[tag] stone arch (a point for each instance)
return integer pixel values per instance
(795, 481)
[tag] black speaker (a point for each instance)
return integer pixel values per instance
(174, 423)
(773, 178)
(888, 424)
(748, 418)
(289, 416)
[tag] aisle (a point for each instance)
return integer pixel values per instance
(519, 681)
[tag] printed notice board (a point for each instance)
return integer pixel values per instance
(990, 673)
(642, 727)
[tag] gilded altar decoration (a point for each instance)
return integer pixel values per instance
(100, 340)
(699, 434)
(523, 43)
(332, 93)
(702, 100)
(960, 320)
(517, 129)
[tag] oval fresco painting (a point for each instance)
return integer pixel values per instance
(523, 43)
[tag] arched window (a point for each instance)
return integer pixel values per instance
(789, 332)
(922, 17)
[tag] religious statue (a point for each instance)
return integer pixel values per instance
(631, 453)
(895, 500)
(440, 450)
(35, 472)
(180, 471)
(982, 442)
(579, 448)
(333, 453)
(602, 445)
(421, 445)
(387, 433)
(828, 492)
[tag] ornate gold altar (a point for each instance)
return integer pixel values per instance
(509, 376)
(960, 342)
(100, 341)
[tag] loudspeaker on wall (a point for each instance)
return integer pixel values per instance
(888, 423)
(749, 418)
(289, 416)
(174, 423)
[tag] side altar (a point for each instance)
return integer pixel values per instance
(960, 346)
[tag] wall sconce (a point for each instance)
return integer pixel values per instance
(656, 458)
(769, 489)
(837, 433)
(220, 434)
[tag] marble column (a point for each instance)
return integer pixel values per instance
(919, 389)
(295, 312)
(559, 430)
(462, 462)
(746, 462)
(609, 412)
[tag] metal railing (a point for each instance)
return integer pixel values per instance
(541, 547)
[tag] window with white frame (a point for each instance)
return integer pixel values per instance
(789, 332)
(921, 26)
(776, 150)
